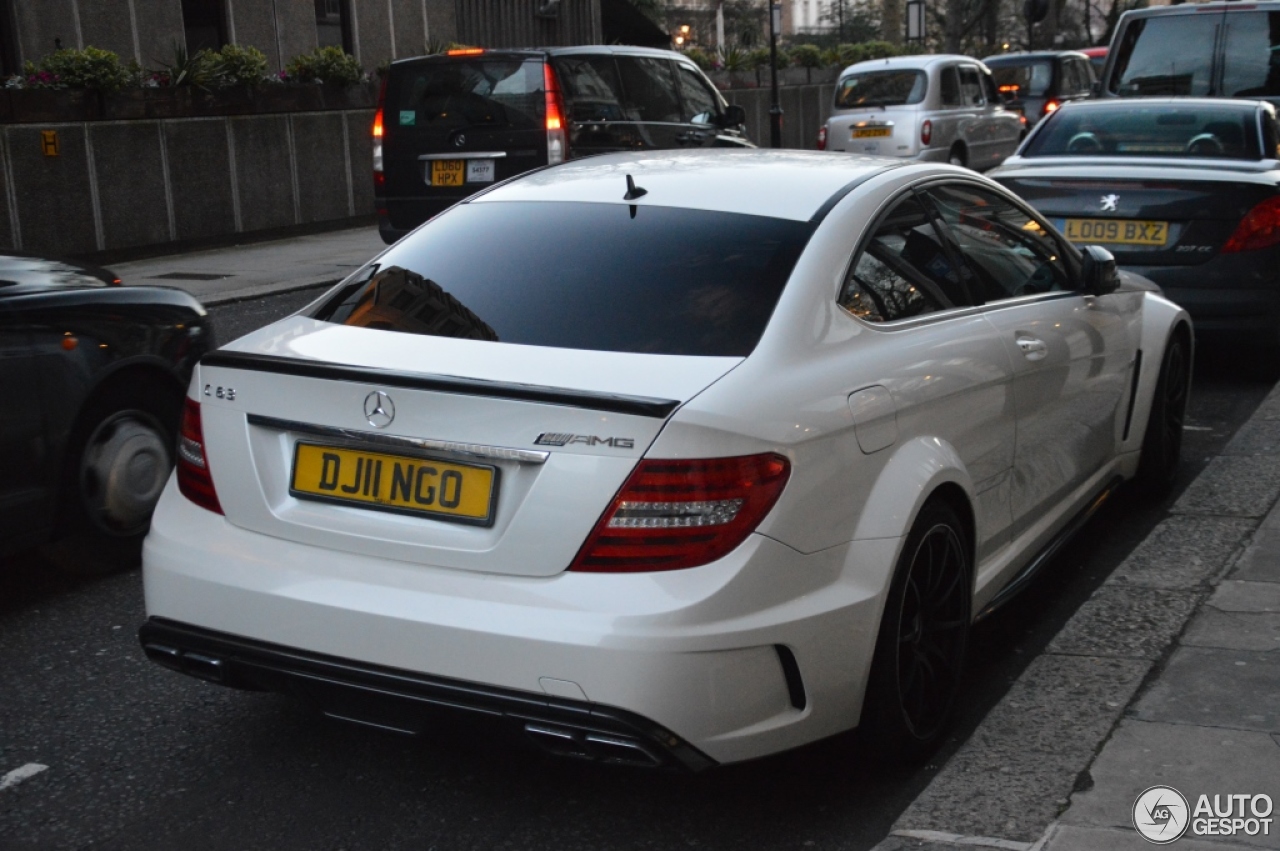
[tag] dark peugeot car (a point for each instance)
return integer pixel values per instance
(1184, 191)
(1038, 83)
(92, 375)
(451, 125)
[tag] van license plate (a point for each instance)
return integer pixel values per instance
(871, 132)
(479, 171)
(403, 484)
(447, 172)
(1117, 231)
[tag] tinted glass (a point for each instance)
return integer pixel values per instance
(1028, 80)
(1008, 252)
(970, 86)
(1251, 66)
(668, 281)
(650, 89)
(700, 105)
(468, 93)
(592, 89)
(903, 270)
(1143, 131)
(1170, 55)
(950, 87)
(881, 88)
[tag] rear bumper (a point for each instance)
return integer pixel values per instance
(407, 702)
(1232, 298)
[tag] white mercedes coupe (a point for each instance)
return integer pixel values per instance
(671, 458)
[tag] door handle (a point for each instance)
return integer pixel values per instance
(1032, 347)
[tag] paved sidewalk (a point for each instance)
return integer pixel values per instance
(1169, 675)
(220, 275)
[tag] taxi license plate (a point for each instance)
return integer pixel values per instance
(448, 172)
(406, 485)
(1117, 231)
(871, 132)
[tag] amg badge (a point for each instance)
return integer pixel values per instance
(554, 438)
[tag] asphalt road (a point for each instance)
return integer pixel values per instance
(139, 757)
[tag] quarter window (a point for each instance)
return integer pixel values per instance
(1008, 252)
(650, 95)
(970, 86)
(903, 270)
(950, 87)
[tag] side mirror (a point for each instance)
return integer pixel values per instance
(1099, 271)
(734, 115)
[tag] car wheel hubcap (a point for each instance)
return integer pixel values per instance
(123, 471)
(935, 616)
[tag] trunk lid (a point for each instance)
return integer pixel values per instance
(891, 131)
(552, 432)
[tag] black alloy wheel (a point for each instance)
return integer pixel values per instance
(924, 632)
(1162, 441)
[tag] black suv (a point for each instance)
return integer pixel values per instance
(453, 124)
(1038, 83)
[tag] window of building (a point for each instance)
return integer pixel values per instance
(204, 23)
(333, 24)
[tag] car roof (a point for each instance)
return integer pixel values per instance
(1127, 104)
(544, 52)
(786, 184)
(1011, 58)
(919, 61)
(1192, 8)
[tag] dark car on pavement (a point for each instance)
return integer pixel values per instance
(1038, 83)
(453, 124)
(93, 376)
(1184, 191)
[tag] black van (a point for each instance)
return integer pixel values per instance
(1038, 83)
(450, 125)
(1227, 50)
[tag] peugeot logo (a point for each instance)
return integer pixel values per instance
(379, 410)
(460, 140)
(1109, 203)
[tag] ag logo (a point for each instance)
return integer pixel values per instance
(1161, 815)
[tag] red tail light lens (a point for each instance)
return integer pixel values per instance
(378, 177)
(926, 132)
(676, 514)
(1049, 106)
(556, 138)
(193, 469)
(1260, 228)
(822, 138)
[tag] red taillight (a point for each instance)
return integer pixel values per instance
(377, 137)
(1049, 106)
(926, 132)
(464, 51)
(556, 138)
(676, 514)
(193, 468)
(1260, 228)
(822, 138)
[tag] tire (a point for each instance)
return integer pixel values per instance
(118, 460)
(957, 156)
(924, 632)
(1162, 442)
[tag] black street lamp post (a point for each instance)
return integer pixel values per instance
(775, 108)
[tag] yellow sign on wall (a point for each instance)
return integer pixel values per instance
(49, 142)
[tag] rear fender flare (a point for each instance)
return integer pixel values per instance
(917, 469)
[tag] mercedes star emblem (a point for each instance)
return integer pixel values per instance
(379, 410)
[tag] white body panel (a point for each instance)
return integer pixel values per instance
(874, 419)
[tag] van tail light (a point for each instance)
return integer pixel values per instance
(675, 514)
(193, 468)
(1049, 106)
(379, 178)
(822, 138)
(1260, 228)
(926, 132)
(557, 142)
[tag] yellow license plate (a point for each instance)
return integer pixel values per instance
(448, 172)
(1118, 231)
(871, 132)
(400, 483)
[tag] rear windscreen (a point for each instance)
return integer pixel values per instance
(600, 277)
(881, 88)
(460, 93)
(1163, 131)
(1029, 80)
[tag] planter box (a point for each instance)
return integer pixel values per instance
(47, 106)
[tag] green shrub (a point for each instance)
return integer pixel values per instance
(759, 58)
(805, 56)
(237, 66)
(325, 65)
(91, 68)
(737, 59)
(189, 69)
(701, 58)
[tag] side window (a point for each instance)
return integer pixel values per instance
(989, 89)
(970, 86)
(950, 87)
(1007, 251)
(903, 269)
(700, 105)
(592, 89)
(1085, 72)
(649, 88)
